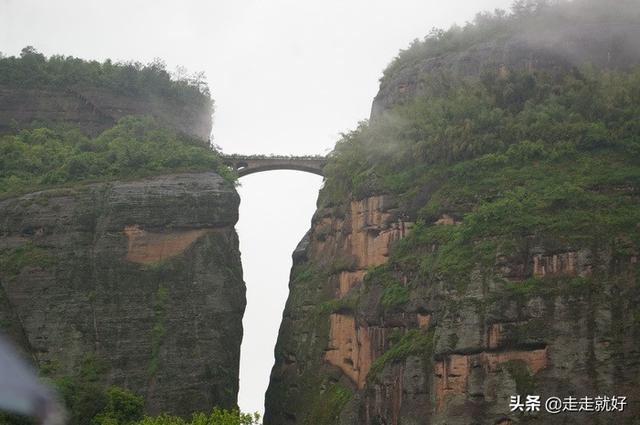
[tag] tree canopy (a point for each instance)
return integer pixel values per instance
(134, 147)
(523, 116)
(34, 70)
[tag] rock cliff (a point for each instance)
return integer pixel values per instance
(355, 348)
(95, 109)
(432, 292)
(558, 48)
(138, 280)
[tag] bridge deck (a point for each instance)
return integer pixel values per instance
(249, 164)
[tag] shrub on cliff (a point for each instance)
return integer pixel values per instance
(217, 417)
(497, 122)
(122, 408)
(33, 70)
(511, 158)
(133, 147)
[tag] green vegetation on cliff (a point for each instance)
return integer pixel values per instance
(117, 406)
(12, 262)
(524, 161)
(535, 16)
(134, 147)
(524, 155)
(93, 405)
(44, 151)
(415, 343)
(514, 188)
(143, 131)
(33, 70)
(216, 417)
(87, 400)
(489, 124)
(522, 187)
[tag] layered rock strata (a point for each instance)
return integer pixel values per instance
(142, 280)
(444, 355)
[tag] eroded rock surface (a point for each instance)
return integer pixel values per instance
(340, 347)
(141, 278)
(445, 333)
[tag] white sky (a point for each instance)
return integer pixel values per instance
(287, 77)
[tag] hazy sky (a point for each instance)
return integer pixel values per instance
(287, 77)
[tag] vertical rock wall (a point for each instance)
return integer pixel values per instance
(348, 354)
(327, 344)
(451, 327)
(140, 279)
(94, 110)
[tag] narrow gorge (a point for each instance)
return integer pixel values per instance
(475, 240)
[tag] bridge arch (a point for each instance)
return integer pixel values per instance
(251, 164)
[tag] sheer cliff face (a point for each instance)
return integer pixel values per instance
(424, 308)
(348, 354)
(327, 343)
(140, 279)
(94, 110)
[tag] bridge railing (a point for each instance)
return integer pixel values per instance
(276, 157)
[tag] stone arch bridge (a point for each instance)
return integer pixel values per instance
(249, 164)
